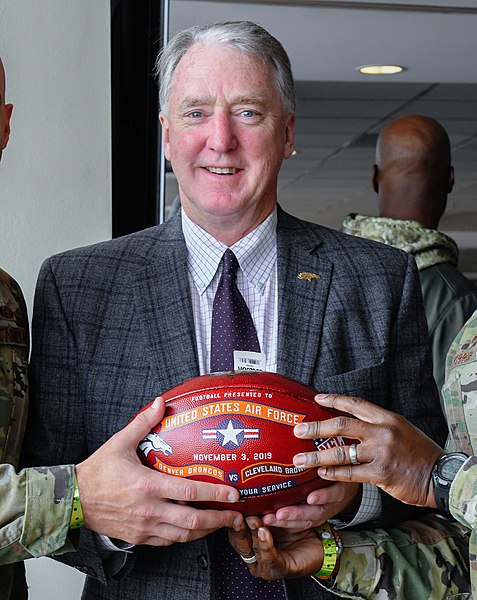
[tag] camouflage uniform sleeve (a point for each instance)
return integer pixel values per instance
(35, 505)
(419, 560)
(463, 494)
(14, 348)
(35, 512)
(463, 506)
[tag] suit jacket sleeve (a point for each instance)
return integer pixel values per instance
(55, 422)
(413, 392)
(388, 352)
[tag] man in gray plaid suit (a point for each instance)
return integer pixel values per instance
(120, 322)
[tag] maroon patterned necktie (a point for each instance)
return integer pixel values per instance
(233, 329)
(232, 324)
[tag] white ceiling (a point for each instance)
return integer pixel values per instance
(341, 111)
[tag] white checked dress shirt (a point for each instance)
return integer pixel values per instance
(256, 280)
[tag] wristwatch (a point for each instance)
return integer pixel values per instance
(443, 474)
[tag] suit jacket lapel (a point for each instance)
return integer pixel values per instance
(301, 298)
(165, 309)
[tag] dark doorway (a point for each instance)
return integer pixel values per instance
(135, 41)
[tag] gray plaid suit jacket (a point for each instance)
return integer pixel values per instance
(113, 328)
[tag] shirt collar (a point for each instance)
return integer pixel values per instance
(256, 252)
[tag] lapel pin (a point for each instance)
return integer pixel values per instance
(308, 276)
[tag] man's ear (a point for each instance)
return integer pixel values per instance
(450, 180)
(165, 134)
(289, 136)
(6, 134)
(375, 178)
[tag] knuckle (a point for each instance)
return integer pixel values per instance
(220, 494)
(339, 455)
(143, 514)
(311, 459)
(191, 520)
(333, 399)
(144, 486)
(313, 428)
(182, 537)
(355, 401)
(397, 423)
(383, 471)
(342, 473)
(190, 491)
(270, 570)
(348, 473)
(342, 423)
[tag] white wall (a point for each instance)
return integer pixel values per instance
(55, 175)
(55, 190)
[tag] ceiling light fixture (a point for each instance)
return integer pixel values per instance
(380, 69)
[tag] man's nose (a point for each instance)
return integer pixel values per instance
(222, 136)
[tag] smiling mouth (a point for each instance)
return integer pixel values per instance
(222, 170)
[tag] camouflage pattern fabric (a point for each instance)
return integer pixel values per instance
(35, 505)
(419, 560)
(14, 347)
(426, 560)
(460, 397)
(428, 246)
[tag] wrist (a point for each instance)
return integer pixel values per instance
(332, 547)
(77, 518)
(431, 498)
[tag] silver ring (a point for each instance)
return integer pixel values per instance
(353, 455)
(250, 560)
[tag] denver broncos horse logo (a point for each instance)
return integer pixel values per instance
(153, 441)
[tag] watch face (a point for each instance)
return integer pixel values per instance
(443, 474)
(449, 465)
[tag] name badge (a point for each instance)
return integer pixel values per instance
(249, 361)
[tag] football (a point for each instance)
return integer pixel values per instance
(237, 429)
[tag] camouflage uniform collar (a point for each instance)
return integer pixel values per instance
(428, 246)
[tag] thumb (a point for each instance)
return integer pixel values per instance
(143, 422)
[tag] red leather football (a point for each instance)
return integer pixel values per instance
(237, 429)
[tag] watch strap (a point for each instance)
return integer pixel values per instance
(77, 518)
(332, 548)
(441, 483)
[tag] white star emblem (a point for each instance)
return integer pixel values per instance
(230, 434)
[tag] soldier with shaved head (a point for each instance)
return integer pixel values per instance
(413, 176)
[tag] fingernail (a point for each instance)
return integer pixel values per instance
(321, 397)
(301, 429)
(262, 534)
(237, 524)
(155, 404)
(232, 496)
(299, 460)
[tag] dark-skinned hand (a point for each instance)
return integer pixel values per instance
(280, 553)
(393, 454)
